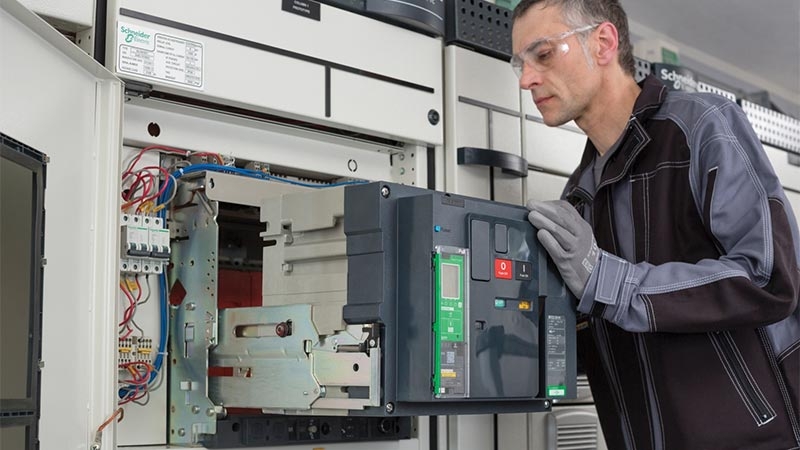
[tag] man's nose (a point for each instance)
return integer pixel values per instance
(530, 77)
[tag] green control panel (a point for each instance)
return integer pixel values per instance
(450, 371)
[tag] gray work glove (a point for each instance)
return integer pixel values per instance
(568, 239)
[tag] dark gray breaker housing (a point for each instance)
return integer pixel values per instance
(517, 354)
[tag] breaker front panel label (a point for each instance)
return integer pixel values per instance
(159, 56)
(556, 356)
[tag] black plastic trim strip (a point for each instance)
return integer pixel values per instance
(431, 160)
(268, 48)
(510, 164)
(327, 91)
(433, 433)
(100, 24)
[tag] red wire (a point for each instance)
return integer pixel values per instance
(163, 185)
(135, 160)
(147, 180)
(145, 176)
(131, 304)
(139, 378)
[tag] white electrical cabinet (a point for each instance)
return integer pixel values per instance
(59, 101)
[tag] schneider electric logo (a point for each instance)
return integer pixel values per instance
(135, 36)
(681, 82)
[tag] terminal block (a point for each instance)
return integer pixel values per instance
(135, 349)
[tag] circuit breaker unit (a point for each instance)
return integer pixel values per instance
(377, 299)
(468, 303)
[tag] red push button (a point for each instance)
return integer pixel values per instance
(502, 268)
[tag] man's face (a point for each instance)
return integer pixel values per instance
(561, 89)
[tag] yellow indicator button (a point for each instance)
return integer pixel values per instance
(524, 305)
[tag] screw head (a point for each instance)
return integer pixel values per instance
(190, 306)
(210, 412)
(282, 329)
(195, 409)
(390, 408)
(385, 191)
(433, 117)
(181, 432)
(372, 342)
(546, 404)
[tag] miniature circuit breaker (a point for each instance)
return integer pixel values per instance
(144, 244)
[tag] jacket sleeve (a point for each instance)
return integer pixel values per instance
(756, 280)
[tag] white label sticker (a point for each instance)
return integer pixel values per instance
(153, 54)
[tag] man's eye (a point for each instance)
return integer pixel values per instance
(544, 55)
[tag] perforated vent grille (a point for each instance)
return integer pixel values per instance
(705, 87)
(577, 437)
(642, 69)
(481, 26)
(773, 128)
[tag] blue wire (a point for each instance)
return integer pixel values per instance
(248, 173)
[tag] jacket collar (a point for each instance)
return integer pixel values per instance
(581, 184)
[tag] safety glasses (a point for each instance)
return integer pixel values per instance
(542, 54)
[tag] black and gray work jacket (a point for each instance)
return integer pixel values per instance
(694, 325)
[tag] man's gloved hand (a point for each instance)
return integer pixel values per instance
(568, 239)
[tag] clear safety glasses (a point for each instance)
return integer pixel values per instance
(543, 53)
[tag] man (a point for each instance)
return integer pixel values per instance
(675, 236)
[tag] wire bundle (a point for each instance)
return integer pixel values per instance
(140, 195)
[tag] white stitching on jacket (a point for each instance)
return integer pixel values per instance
(708, 279)
(614, 379)
(647, 220)
(652, 384)
(762, 273)
(658, 168)
(739, 388)
(747, 373)
(787, 399)
(788, 350)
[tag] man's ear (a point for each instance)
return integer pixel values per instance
(607, 43)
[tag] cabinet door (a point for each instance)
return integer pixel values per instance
(59, 101)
